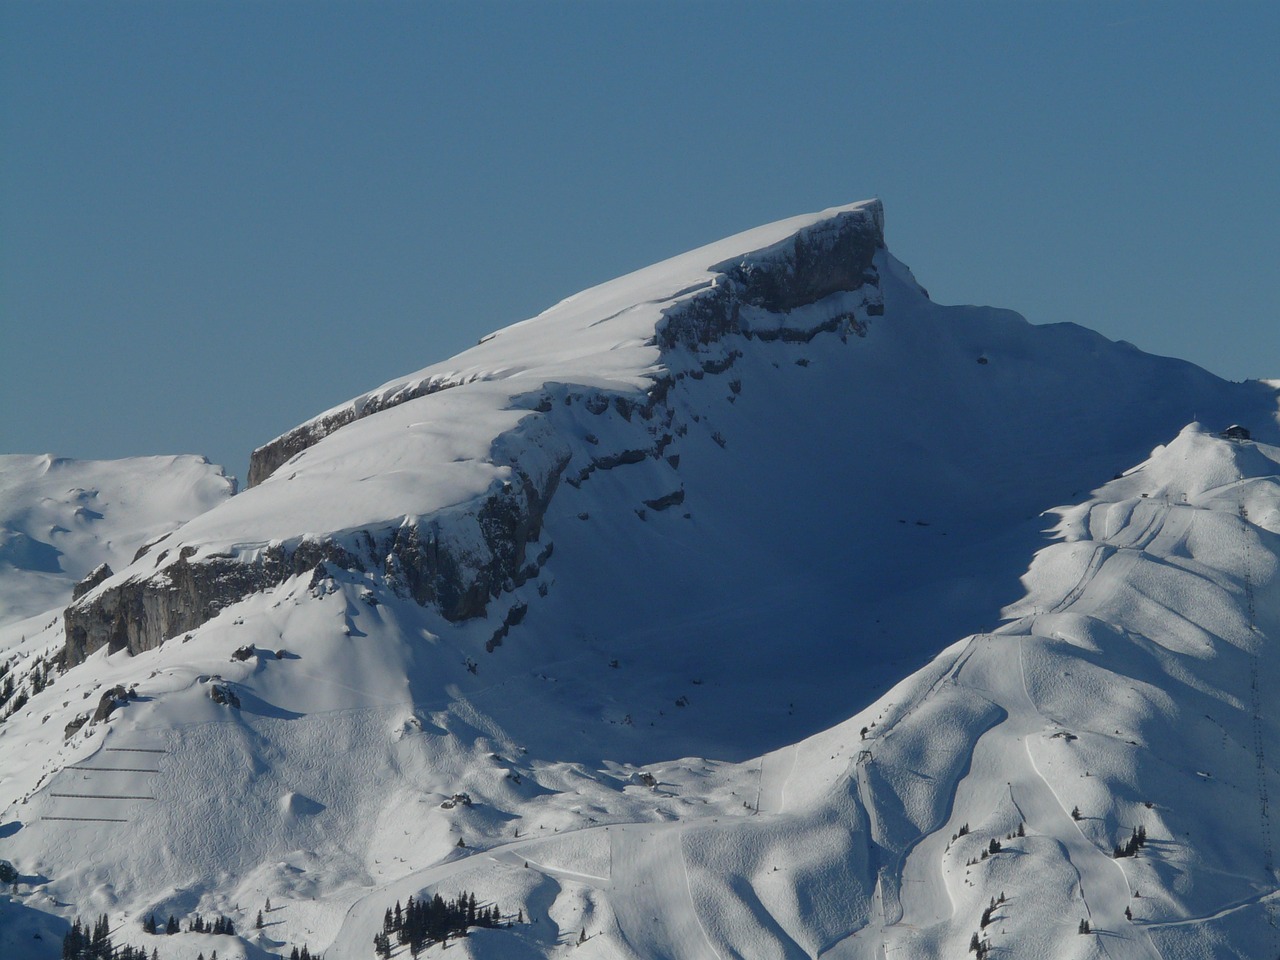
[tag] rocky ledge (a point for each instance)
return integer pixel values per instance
(456, 562)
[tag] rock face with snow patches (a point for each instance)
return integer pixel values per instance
(710, 613)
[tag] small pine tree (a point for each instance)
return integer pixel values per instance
(258, 922)
(73, 942)
(1075, 813)
(582, 937)
(974, 943)
(268, 906)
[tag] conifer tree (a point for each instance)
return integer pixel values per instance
(73, 942)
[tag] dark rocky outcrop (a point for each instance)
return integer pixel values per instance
(99, 573)
(112, 700)
(73, 727)
(835, 256)
(144, 611)
(221, 693)
(672, 499)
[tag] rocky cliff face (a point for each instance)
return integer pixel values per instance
(461, 558)
(455, 562)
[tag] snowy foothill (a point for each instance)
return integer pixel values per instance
(61, 518)
(844, 625)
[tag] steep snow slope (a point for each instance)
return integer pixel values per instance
(60, 518)
(775, 484)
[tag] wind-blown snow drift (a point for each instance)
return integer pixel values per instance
(719, 508)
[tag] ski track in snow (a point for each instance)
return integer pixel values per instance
(927, 891)
(775, 770)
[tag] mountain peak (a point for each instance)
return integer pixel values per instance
(781, 265)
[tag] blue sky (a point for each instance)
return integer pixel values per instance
(217, 220)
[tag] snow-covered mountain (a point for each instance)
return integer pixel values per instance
(60, 518)
(727, 609)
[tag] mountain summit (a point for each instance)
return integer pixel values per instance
(764, 503)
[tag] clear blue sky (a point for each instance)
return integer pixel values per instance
(217, 220)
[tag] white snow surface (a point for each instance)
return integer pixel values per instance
(60, 518)
(928, 573)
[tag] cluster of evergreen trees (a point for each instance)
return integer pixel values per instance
(221, 925)
(83, 943)
(1134, 844)
(13, 697)
(421, 923)
(7, 694)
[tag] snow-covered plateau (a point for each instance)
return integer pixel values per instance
(751, 605)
